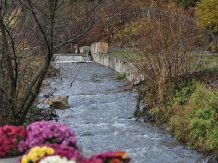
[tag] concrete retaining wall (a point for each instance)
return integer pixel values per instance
(84, 49)
(99, 47)
(120, 65)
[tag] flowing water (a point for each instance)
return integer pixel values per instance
(101, 116)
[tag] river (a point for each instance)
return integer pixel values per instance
(101, 115)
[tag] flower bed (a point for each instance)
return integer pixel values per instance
(43, 132)
(49, 142)
(10, 136)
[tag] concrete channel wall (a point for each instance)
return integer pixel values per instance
(120, 65)
(99, 54)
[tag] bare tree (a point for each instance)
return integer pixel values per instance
(33, 30)
(8, 65)
(170, 46)
(167, 42)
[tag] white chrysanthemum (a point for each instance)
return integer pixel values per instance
(56, 159)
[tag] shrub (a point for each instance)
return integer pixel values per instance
(196, 121)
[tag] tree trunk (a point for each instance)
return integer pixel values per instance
(34, 27)
(33, 89)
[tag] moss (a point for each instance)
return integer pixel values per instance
(121, 76)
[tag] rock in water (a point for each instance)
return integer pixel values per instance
(58, 102)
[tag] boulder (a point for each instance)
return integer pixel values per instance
(58, 102)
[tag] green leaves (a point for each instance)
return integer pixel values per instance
(196, 121)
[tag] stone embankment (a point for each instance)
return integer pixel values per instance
(99, 54)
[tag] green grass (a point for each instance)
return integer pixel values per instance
(127, 55)
(204, 62)
(199, 120)
(121, 76)
(210, 58)
(198, 62)
(192, 116)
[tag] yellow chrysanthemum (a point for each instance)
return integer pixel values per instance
(41, 153)
(44, 148)
(24, 159)
(35, 154)
(50, 151)
(37, 148)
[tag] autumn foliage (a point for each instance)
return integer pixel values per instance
(207, 14)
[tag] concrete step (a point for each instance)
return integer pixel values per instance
(8, 160)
